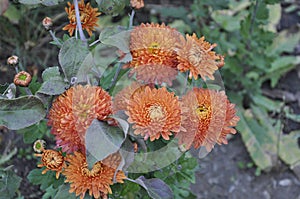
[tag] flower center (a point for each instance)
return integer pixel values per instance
(95, 171)
(154, 46)
(156, 112)
(22, 77)
(202, 111)
(195, 55)
(52, 159)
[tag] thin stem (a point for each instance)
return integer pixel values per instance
(116, 76)
(131, 19)
(253, 17)
(28, 91)
(95, 42)
(55, 38)
(77, 13)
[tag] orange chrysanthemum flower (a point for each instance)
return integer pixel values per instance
(154, 59)
(73, 112)
(88, 17)
(122, 98)
(137, 3)
(197, 57)
(52, 160)
(155, 113)
(208, 116)
(97, 180)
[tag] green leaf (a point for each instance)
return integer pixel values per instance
(156, 188)
(34, 132)
(265, 102)
(9, 183)
(53, 87)
(289, 150)
(13, 14)
(44, 2)
(21, 112)
(259, 140)
(71, 55)
(117, 38)
(50, 73)
(101, 140)
(50, 193)
(53, 82)
(284, 42)
(44, 180)
(63, 192)
(153, 160)
(111, 7)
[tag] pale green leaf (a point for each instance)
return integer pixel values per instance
(21, 112)
(44, 2)
(101, 140)
(71, 55)
(252, 133)
(289, 150)
(284, 42)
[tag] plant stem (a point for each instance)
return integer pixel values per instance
(113, 82)
(131, 19)
(77, 13)
(253, 17)
(54, 38)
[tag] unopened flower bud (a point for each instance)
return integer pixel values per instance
(22, 79)
(13, 60)
(137, 4)
(39, 146)
(47, 23)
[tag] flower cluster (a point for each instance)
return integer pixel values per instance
(70, 116)
(153, 108)
(200, 117)
(158, 52)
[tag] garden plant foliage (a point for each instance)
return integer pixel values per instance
(129, 103)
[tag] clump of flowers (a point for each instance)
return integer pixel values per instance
(154, 57)
(157, 103)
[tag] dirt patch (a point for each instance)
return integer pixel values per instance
(220, 176)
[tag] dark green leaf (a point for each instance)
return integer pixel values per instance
(9, 183)
(44, 180)
(71, 55)
(21, 112)
(111, 7)
(155, 187)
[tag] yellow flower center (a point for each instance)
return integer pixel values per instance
(95, 171)
(156, 112)
(202, 111)
(154, 46)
